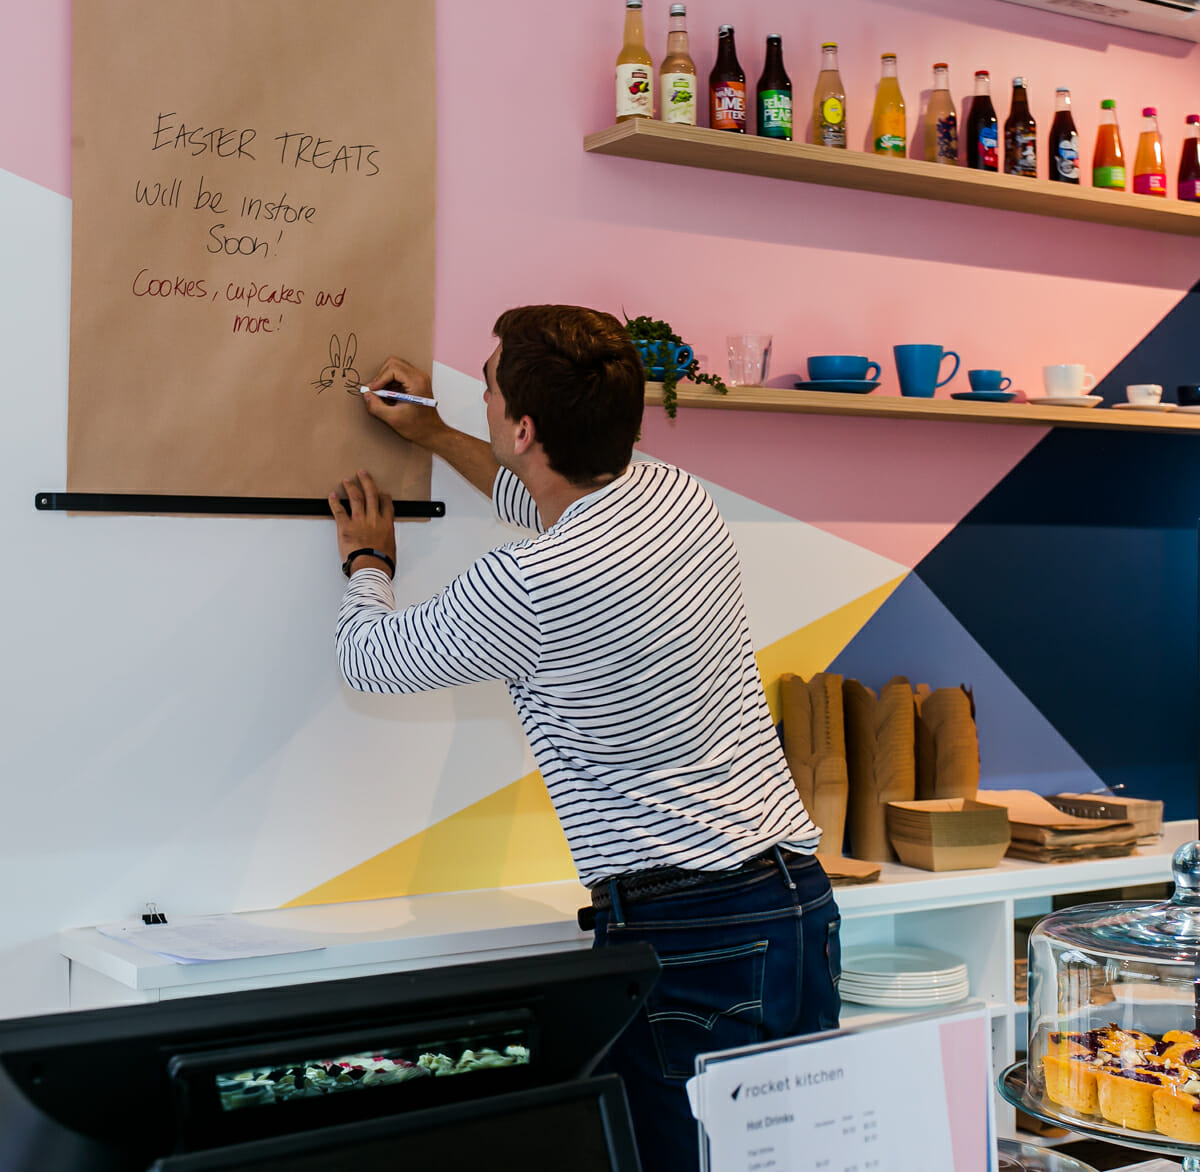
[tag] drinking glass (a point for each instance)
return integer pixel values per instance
(749, 359)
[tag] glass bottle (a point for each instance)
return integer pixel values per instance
(774, 94)
(727, 86)
(941, 121)
(888, 124)
(1020, 134)
(677, 74)
(983, 146)
(635, 69)
(1149, 169)
(1063, 166)
(1108, 159)
(1189, 161)
(829, 101)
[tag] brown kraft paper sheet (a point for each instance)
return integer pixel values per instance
(253, 233)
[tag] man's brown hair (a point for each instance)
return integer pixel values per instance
(576, 374)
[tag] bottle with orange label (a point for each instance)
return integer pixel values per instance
(829, 101)
(1149, 169)
(727, 86)
(635, 68)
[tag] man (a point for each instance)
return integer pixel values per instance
(622, 635)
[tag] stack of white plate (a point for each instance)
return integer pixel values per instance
(898, 977)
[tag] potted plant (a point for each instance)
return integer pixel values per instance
(667, 359)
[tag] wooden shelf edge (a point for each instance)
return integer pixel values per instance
(717, 150)
(780, 399)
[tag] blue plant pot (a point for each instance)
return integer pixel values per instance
(680, 357)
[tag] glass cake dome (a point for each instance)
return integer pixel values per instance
(1114, 1014)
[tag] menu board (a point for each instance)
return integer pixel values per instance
(253, 234)
(913, 1096)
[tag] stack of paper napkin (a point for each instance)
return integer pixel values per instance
(1044, 833)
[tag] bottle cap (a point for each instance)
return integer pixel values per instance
(940, 65)
(725, 28)
(1019, 81)
(887, 56)
(679, 10)
(982, 73)
(1108, 104)
(774, 37)
(633, 3)
(1062, 89)
(1150, 112)
(1192, 118)
(829, 45)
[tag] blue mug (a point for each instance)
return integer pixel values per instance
(847, 367)
(919, 367)
(988, 380)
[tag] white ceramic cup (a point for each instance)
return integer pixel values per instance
(1144, 393)
(1067, 378)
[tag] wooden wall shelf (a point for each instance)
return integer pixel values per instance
(718, 150)
(896, 407)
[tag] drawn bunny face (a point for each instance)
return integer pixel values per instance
(341, 366)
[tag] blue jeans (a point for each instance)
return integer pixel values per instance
(745, 959)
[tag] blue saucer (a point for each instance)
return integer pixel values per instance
(853, 386)
(986, 396)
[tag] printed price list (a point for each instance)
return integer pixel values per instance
(847, 1142)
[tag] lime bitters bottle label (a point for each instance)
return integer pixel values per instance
(833, 123)
(679, 98)
(775, 114)
(729, 106)
(633, 90)
(1109, 177)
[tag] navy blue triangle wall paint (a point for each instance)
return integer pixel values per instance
(1169, 354)
(1077, 574)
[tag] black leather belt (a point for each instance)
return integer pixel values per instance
(650, 884)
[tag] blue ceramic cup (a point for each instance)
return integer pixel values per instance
(988, 380)
(847, 367)
(919, 367)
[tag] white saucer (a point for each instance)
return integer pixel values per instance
(1193, 408)
(900, 959)
(1146, 406)
(1067, 400)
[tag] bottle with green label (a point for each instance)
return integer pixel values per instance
(1108, 159)
(829, 101)
(888, 126)
(774, 94)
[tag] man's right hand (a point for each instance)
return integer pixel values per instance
(415, 423)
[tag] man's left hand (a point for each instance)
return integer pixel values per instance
(370, 523)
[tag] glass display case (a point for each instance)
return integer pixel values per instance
(1114, 1020)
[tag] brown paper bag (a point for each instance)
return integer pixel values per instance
(880, 760)
(814, 743)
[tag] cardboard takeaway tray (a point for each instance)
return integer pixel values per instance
(948, 834)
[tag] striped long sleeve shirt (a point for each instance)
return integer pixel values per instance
(622, 636)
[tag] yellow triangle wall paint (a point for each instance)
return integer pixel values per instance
(813, 648)
(513, 836)
(509, 838)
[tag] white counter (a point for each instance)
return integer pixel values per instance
(964, 911)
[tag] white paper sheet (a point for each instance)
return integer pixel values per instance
(203, 939)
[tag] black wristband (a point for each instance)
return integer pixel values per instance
(375, 553)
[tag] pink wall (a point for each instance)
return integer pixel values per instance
(526, 215)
